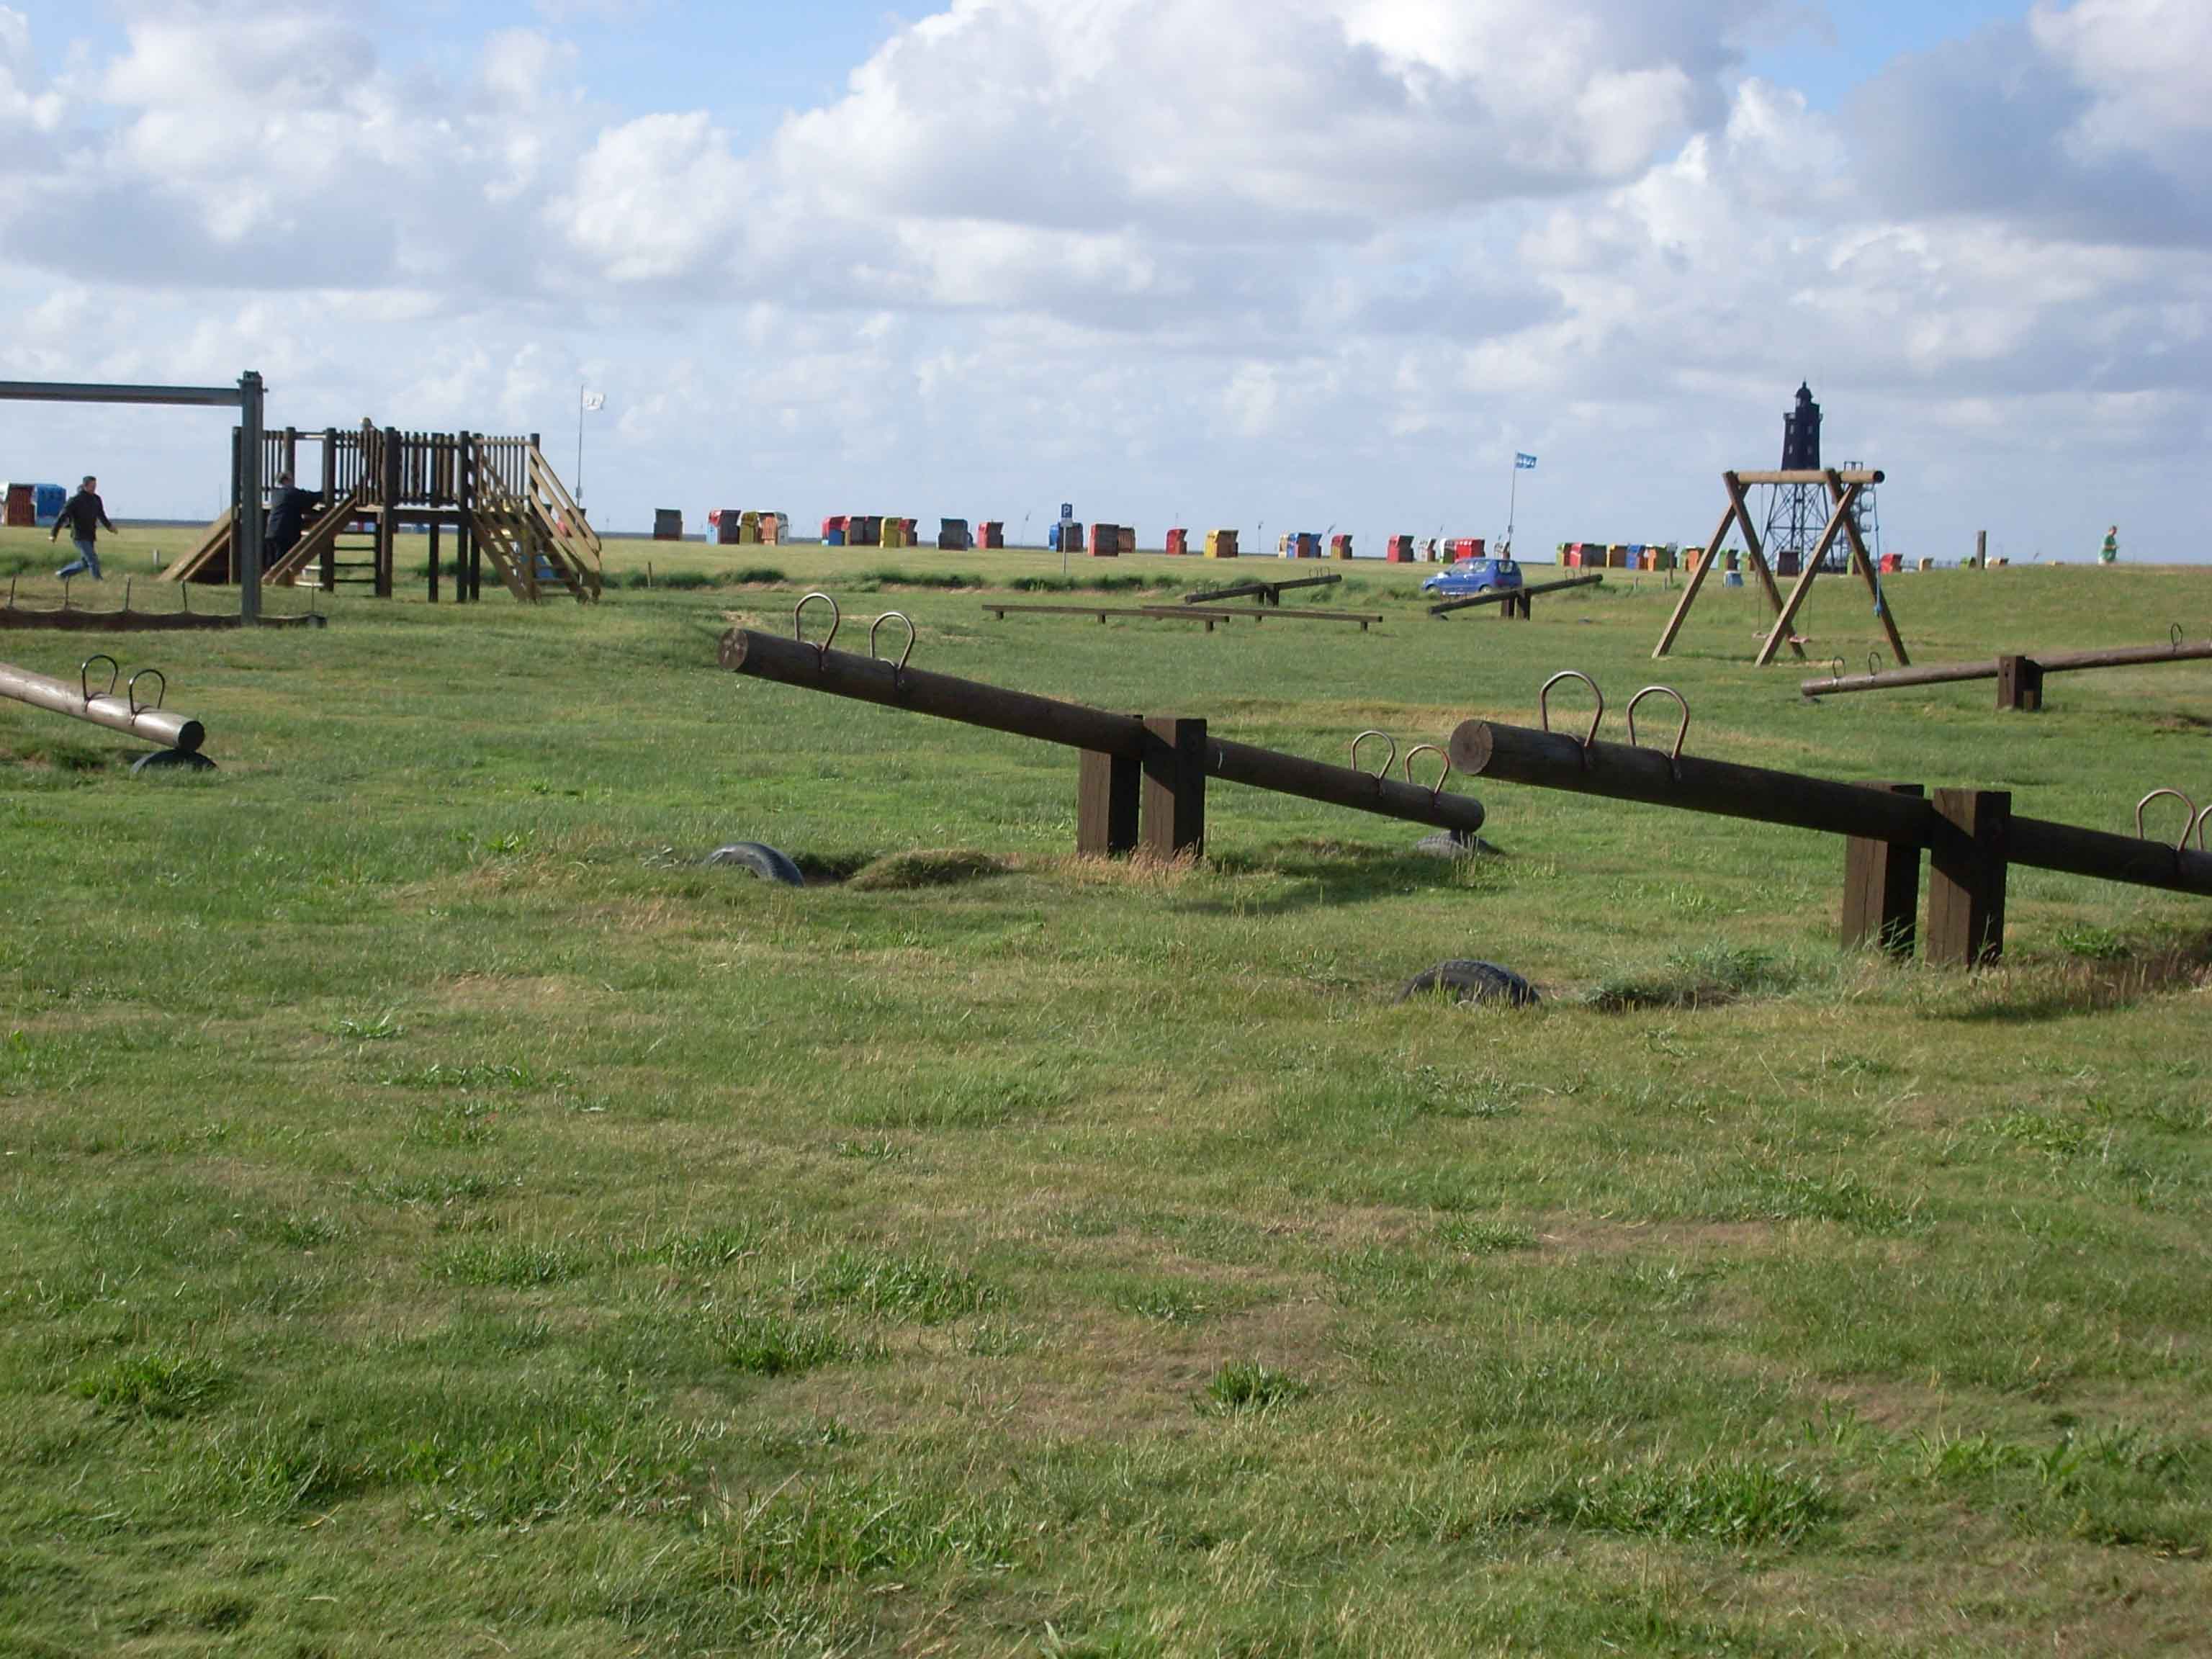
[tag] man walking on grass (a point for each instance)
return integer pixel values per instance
(84, 516)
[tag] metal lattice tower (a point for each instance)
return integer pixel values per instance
(1870, 523)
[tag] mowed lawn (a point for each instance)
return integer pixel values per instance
(441, 1215)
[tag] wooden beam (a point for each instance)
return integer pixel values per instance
(1881, 889)
(1856, 475)
(1782, 623)
(1865, 561)
(1704, 568)
(1515, 600)
(2020, 685)
(1173, 815)
(1966, 889)
(1107, 796)
(1753, 551)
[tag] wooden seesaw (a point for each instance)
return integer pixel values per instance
(1264, 592)
(1972, 836)
(1142, 779)
(178, 736)
(1185, 613)
(1514, 601)
(2018, 677)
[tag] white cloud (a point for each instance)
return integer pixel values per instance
(21, 106)
(1238, 258)
(658, 198)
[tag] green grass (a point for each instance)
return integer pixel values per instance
(441, 1213)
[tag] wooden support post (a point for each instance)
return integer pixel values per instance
(1981, 549)
(387, 521)
(1836, 519)
(2020, 685)
(468, 558)
(1755, 554)
(1703, 568)
(433, 561)
(1865, 561)
(1173, 817)
(1881, 888)
(1108, 788)
(229, 571)
(1966, 885)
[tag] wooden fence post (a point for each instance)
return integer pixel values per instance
(1108, 788)
(1881, 888)
(2020, 685)
(1173, 819)
(1966, 885)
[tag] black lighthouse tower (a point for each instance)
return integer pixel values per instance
(1797, 513)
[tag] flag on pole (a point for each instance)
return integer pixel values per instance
(1523, 462)
(594, 400)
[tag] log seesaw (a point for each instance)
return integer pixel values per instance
(1514, 601)
(1973, 837)
(178, 737)
(2019, 676)
(1141, 780)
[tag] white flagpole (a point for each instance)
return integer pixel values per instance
(1513, 501)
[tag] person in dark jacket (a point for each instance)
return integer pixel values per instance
(84, 516)
(286, 513)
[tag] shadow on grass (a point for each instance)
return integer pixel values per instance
(1709, 978)
(1329, 873)
(2104, 972)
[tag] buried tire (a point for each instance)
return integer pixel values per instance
(762, 860)
(1468, 981)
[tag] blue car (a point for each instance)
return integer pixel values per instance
(1471, 576)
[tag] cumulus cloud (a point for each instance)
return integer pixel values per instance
(22, 106)
(1309, 254)
(2086, 123)
(1220, 120)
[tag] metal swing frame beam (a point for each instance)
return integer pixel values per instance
(246, 396)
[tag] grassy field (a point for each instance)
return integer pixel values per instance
(441, 1216)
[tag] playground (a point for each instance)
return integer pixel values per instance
(443, 1203)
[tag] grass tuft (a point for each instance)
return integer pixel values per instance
(1471, 1236)
(1739, 1503)
(1250, 1390)
(510, 1264)
(154, 1382)
(917, 1289)
(762, 1342)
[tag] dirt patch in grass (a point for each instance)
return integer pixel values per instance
(498, 993)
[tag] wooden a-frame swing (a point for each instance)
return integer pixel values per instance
(1844, 488)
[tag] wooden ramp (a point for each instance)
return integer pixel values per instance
(208, 562)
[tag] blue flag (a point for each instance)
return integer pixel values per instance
(1523, 462)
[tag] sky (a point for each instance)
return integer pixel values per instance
(1272, 264)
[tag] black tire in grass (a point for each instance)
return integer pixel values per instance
(762, 860)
